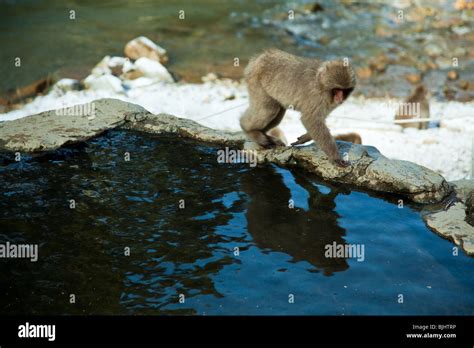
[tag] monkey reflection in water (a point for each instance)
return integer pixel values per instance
(299, 233)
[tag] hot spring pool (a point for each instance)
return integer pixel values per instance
(235, 248)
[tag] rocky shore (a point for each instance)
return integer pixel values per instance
(141, 77)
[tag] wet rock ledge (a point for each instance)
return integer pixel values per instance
(50, 130)
(371, 170)
(456, 221)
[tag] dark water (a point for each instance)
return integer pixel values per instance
(190, 251)
(207, 40)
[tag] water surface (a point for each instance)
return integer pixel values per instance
(192, 251)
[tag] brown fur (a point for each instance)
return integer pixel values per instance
(276, 80)
(418, 96)
(349, 137)
(277, 133)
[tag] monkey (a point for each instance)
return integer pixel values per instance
(415, 106)
(277, 80)
(277, 133)
(349, 137)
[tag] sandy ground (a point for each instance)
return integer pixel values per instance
(447, 149)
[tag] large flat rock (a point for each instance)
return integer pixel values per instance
(463, 188)
(369, 170)
(52, 129)
(451, 224)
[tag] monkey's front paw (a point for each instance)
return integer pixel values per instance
(342, 163)
(302, 139)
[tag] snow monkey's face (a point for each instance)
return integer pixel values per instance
(338, 80)
(339, 95)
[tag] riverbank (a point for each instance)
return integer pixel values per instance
(218, 104)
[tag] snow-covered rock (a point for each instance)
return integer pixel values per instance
(110, 65)
(128, 66)
(153, 69)
(102, 67)
(103, 83)
(66, 85)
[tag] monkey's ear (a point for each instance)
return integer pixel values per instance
(322, 74)
(323, 68)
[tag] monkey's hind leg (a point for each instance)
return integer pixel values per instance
(278, 134)
(257, 121)
(273, 132)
